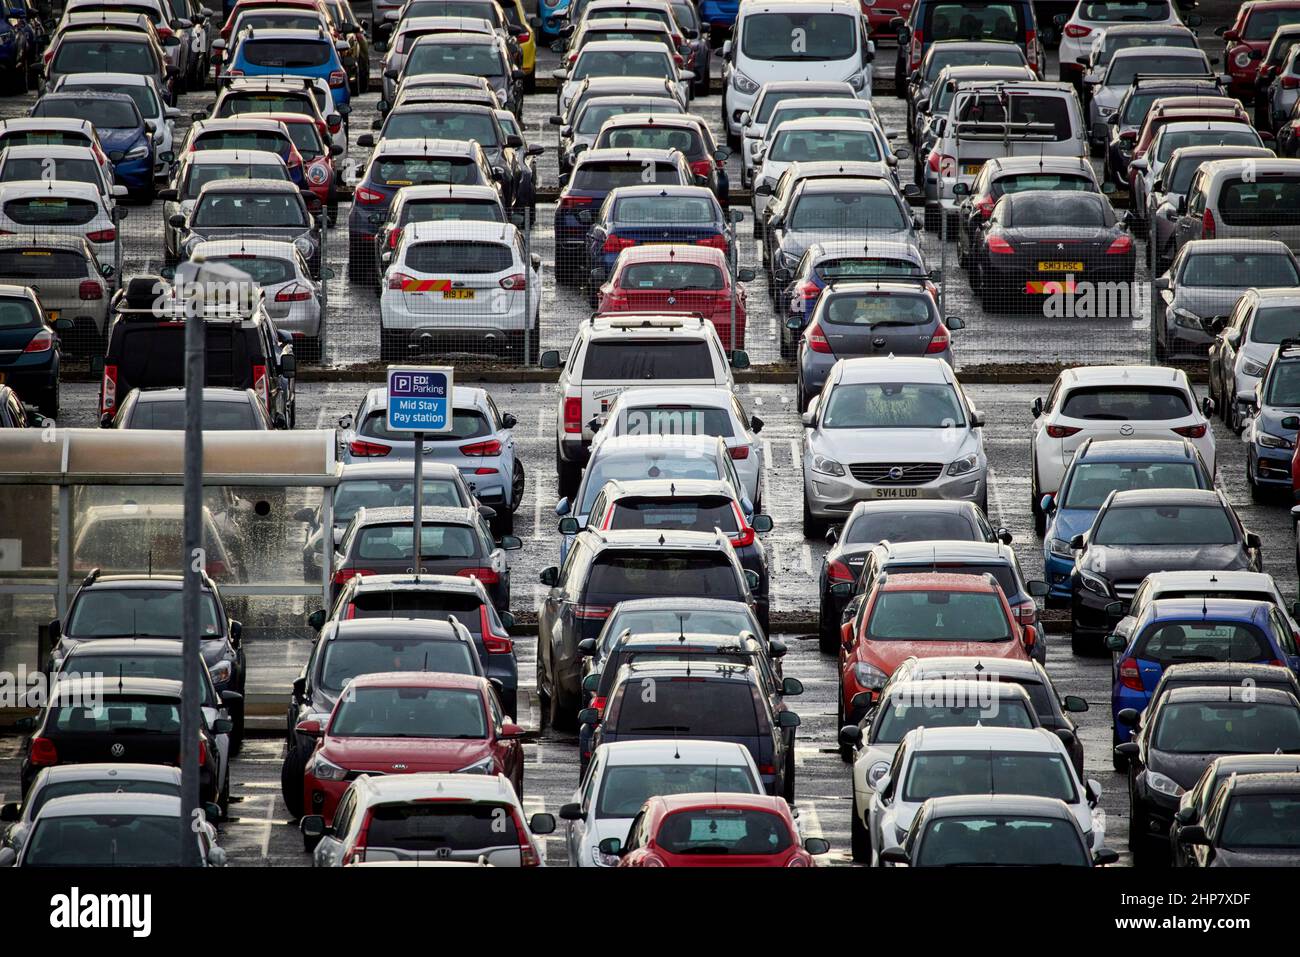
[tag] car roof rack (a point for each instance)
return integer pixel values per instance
(1207, 78)
(1289, 348)
(90, 577)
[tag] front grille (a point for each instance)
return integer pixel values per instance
(1125, 589)
(896, 473)
(353, 775)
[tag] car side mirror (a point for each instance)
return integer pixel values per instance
(787, 719)
(589, 716)
(1036, 407)
(761, 523)
(842, 589)
(176, 221)
(223, 726)
(791, 687)
(894, 855)
(816, 845)
(1037, 587)
(1193, 834)
(549, 576)
(739, 359)
(569, 525)
(587, 648)
(550, 359)
(1077, 542)
(571, 812)
(746, 274)
(1253, 541)
(611, 847)
(316, 620)
(851, 736)
(510, 543)
(9, 812)
(1074, 704)
(1004, 535)
(312, 827)
(310, 727)
(1127, 717)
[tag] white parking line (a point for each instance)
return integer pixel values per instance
(541, 422)
(537, 512)
(996, 496)
(268, 825)
(806, 555)
(796, 454)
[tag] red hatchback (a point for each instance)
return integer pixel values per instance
(677, 278)
(714, 830)
(311, 137)
(405, 722)
(921, 616)
(1247, 40)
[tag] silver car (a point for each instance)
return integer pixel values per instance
(410, 30)
(480, 444)
(753, 122)
(1245, 341)
(890, 427)
(196, 170)
(1105, 91)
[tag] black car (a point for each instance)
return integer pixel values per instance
(223, 410)
(1036, 240)
(875, 521)
(14, 414)
(126, 719)
(146, 350)
(1140, 531)
(31, 351)
(605, 568)
(1126, 122)
(345, 649)
(700, 700)
(1188, 728)
(1195, 803)
(1253, 822)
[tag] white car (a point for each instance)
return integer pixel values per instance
(293, 298)
(1146, 169)
(75, 164)
(1125, 402)
(933, 762)
(815, 139)
(460, 281)
(686, 410)
(621, 58)
(1091, 18)
(158, 116)
(40, 208)
(771, 95)
(805, 107)
(622, 775)
(890, 427)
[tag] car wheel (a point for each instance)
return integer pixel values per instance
(828, 633)
(1040, 518)
(561, 719)
(503, 523)
(1258, 493)
(1079, 644)
(223, 799)
(568, 475)
(787, 783)
(859, 837)
(813, 527)
(388, 345)
(291, 783)
(48, 405)
(1120, 764)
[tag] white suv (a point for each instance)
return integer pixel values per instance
(1110, 402)
(612, 353)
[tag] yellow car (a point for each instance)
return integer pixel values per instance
(522, 27)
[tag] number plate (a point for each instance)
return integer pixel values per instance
(898, 493)
(458, 294)
(971, 169)
(1056, 265)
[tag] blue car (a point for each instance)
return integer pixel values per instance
(30, 352)
(553, 15)
(719, 15)
(1099, 467)
(14, 70)
(1173, 631)
(286, 52)
(632, 215)
(123, 134)
(1270, 432)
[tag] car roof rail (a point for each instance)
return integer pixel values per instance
(1289, 348)
(90, 577)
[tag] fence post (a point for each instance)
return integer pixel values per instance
(324, 286)
(528, 289)
(731, 305)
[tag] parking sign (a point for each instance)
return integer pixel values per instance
(419, 398)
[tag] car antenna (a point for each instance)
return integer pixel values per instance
(426, 661)
(119, 677)
(681, 627)
(715, 775)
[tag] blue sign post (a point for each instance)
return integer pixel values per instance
(419, 401)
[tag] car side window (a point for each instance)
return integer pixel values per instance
(635, 831)
(589, 786)
(343, 816)
(498, 719)
(1283, 631)
(494, 414)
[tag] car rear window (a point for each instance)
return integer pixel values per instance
(1241, 135)
(465, 424)
(152, 356)
(696, 514)
(471, 59)
(117, 714)
(848, 210)
(906, 525)
(217, 416)
(1130, 11)
(1123, 69)
(611, 360)
(924, 615)
(262, 269)
(344, 659)
(852, 268)
(243, 103)
(266, 140)
(118, 784)
(418, 124)
(1093, 481)
(451, 210)
(421, 170)
(813, 145)
(393, 542)
(1263, 21)
(383, 493)
(1119, 403)
(902, 715)
(51, 211)
(943, 773)
(1079, 210)
(879, 309)
(18, 313)
(61, 169)
(1021, 108)
(103, 56)
(674, 276)
(687, 706)
(664, 210)
(459, 257)
(203, 173)
(1267, 201)
(1174, 642)
(103, 840)
(432, 827)
(1023, 182)
(1165, 525)
(425, 605)
(652, 574)
(655, 138)
(676, 420)
(43, 138)
(285, 54)
(611, 174)
(985, 57)
(42, 264)
(625, 787)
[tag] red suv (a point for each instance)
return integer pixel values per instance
(407, 722)
(923, 615)
(1247, 40)
(714, 830)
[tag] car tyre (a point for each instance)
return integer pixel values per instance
(859, 837)
(291, 779)
(787, 782)
(813, 527)
(568, 475)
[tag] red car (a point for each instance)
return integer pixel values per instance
(405, 722)
(880, 13)
(1247, 40)
(920, 616)
(228, 27)
(714, 830)
(677, 278)
(311, 137)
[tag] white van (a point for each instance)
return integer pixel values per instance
(776, 40)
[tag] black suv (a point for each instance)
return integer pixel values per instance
(604, 568)
(146, 350)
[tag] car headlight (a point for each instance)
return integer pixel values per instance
(1163, 784)
(967, 463)
(826, 466)
(869, 676)
(857, 81)
(1255, 369)
(139, 152)
(1188, 320)
(1105, 111)
(1242, 60)
(324, 769)
(876, 772)
(221, 672)
(305, 245)
(317, 175)
(1094, 583)
(1270, 441)
(485, 766)
(742, 83)
(1060, 548)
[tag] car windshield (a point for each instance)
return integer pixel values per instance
(1171, 140)
(103, 840)
(451, 210)
(353, 494)
(410, 712)
(991, 55)
(1284, 385)
(1073, 211)
(89, 55)
(592, 63)
(932, 774)
(1165, 525)
(417, 124)
(799, 36)
(879, 309)
(276, 20)
(595, 114)
(1091, 482)
(200, 174)
(437, 541)
(839, 212)
(343, 660)
(671, 276)
(605, 175)
(909, 525)
(1124, 68)
(852, 267)
(103, 112)
(711, 621)
(665, 210)
(1002, 841)
(902, 714)
(285, 54)
(135, 613)
(893, 405)
(306, 137)
(687, 705)
(1261, 821)
(1239, 270)
(653, 574)
(680, 464)
(1272, 324)
(470, 59)
(803, 146)
(419, 170)
(145, 100)
(1227, 727)
(1171, 642)
(1118, 403)
(924, 615)
(1263, 21)
(625, 787)
(277, 210)
(702, 514)
(723, 831)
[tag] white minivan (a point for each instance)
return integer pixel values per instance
(776, 40)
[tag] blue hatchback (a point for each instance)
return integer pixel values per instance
(306, 53)
(122, 133)
(633, 215)
(1099, 467)
(1177, 630)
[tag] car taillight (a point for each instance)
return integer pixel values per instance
(1192, 431)
(817, 339)
(367, 449)
(940, 340)
(573, 414)
(261, 384)
(745, 536)
(984, 206)
(1122, 244)
(397, 279)
(490, 447)
(839, 571)
(43, 753)
(1061, 431)
(932, 161)
(108, 390)
(614, 244)
(345, 575)
(523, 37)
(486, 575)
(702, 167)
(999, 245)
(1207, 225)
(43, 341)
(1129, 676)
(1075, 30)
(367, 197)
(1026, 613)
(493, 643)
(338, 78)
(89, 289)
(808, 290)
(914, 51)
(1290, 82)
(1031, 45)
(514, 282)
(234, 71)
(767, 769)
(947, 165)
(394, 237)
(294, 293)
(598, 702)
(570, 202)
(590, 612)
(738, 451)
(102, 235)
(527, 853)
(714, 242)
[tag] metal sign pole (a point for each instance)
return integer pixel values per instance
(193, 564)
(417, 535)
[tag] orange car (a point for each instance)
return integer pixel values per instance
(923, 615)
